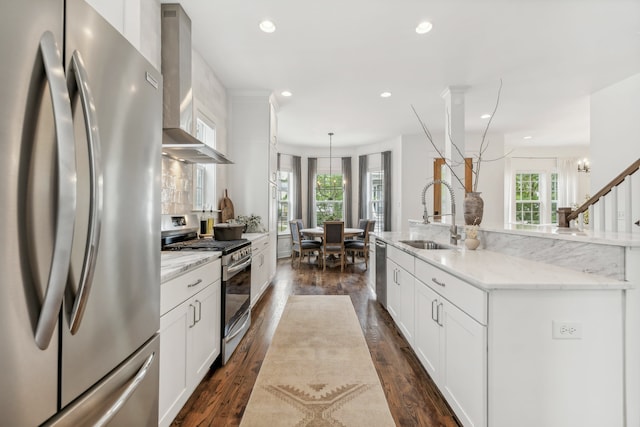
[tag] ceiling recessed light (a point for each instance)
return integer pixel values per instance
(424, 27)
(485, 116)
(527, 137)
(385, 94)
(267, 26)
(286, 93)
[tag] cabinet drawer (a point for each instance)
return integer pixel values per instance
(468, 298)
(401, 258)
(177, 290)
(259, 244)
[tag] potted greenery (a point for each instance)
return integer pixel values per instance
(253, 223)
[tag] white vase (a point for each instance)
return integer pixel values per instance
(471, 244)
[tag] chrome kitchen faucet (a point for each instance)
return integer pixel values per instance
(453, 236)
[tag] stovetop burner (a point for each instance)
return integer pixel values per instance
(180, 232)
(207, 244)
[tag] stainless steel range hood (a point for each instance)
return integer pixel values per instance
(177, 141)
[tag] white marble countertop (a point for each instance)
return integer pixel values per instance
(490, 270)
(254, 236)
(555, 232)
(175, 263)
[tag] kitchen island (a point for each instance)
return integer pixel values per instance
(510, 341)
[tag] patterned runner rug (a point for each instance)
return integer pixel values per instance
(318, 370)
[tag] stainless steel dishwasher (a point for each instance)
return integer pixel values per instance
(381, 272)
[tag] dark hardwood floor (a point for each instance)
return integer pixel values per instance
(413, 398)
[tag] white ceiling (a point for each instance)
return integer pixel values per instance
(337, 56)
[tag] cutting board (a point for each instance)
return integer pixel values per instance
(226, 206)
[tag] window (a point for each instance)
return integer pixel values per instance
(554, 198)
(528, 198)
(285, 197)
(204, 176)
(329, 197)
(198, 187)
(375, 189)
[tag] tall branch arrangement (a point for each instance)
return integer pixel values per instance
(484, 144)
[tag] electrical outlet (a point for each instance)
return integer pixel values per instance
(567, 330)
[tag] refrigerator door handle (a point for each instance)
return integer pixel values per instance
(130, 388)
(66, 188)
(79, 75)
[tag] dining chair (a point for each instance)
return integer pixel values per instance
(362, 224)
(302, 247)
(333, 241)
(360, 246)
(304, 238)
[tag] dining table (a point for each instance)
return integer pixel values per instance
(319, 232)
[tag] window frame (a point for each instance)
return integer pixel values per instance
(282, 224)
(333, 179)
(372, 212)
(547, 214)
(204, 176)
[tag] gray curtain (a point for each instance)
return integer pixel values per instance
(386, 167)
(347, 200)
(311, 182)
(362, 186)
(297, 186)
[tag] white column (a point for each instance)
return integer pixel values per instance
(454, 144)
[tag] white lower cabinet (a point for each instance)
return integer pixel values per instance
(393, 291)
(205, 332)
(452, 347)
(427, 334)
(189, 337)
(400, 290)
(463, 369)
(260, 268)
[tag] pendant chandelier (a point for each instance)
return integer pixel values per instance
(330, 156)
(326, 188)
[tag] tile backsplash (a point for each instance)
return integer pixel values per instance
(177, 187)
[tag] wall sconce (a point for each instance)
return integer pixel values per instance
(584, 166)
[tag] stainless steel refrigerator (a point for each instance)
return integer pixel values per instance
(80, 139)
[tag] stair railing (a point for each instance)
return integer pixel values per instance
(566, 215)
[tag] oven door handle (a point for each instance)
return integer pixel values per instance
(237, 268)
(240, 329)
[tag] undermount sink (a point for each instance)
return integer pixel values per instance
(426, 244)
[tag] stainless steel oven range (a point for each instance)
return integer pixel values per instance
(180, 233)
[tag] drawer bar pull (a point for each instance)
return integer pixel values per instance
(434, 280)
(197, 282)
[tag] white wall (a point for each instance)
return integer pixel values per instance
(354, 152)
(615, 143)
(416, 171)
(491, 177)
(615, 130)
(210, 100)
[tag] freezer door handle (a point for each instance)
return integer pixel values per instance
(130, 388)
(78, 82)
(66, 189)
